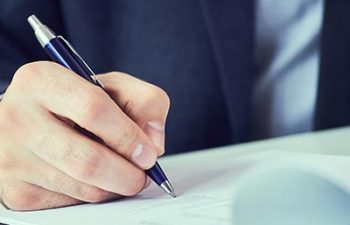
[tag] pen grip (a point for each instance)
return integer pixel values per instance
(157, 174)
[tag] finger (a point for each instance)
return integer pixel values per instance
(90, 107)
(21, 196)
(145, 103)
(30, 168)
(84, 159)
(44, 175)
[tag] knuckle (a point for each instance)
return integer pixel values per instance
(165, 98)
(136, 184)
(127, 139)
(20, 200)
(27, 73)
(87, 164)
(94, 105)
(160, 96)
(155, 97)
(115, 74)
(86, 171)
(89, 193)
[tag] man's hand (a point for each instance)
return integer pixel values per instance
(46, 163)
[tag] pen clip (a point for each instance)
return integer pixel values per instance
(93, 76)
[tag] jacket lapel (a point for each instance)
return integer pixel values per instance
(333, 104)
(231, 32)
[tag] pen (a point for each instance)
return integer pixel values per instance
(62, 52)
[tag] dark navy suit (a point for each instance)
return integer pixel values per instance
(199, 51)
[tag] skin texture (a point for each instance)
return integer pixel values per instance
(45, 162)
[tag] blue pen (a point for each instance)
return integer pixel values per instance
(62, 52)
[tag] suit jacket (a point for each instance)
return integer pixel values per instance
(199, 51)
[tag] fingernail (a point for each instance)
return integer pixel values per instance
(144, 156)
(155, 131)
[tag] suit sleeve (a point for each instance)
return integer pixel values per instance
(11, 57)
(18, 45)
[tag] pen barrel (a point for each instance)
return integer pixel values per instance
(61, 53)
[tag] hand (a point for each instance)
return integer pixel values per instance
(46, 163)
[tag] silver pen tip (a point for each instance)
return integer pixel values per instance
(166, 186)
(34, 22)
(173, 194)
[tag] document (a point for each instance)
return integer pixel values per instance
(271, 187)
